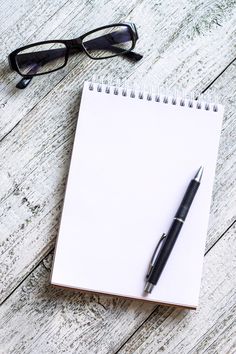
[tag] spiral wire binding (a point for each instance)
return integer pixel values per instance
(144, 93)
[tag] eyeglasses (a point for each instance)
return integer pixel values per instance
(48, 56)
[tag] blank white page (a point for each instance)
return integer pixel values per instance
(132, 161)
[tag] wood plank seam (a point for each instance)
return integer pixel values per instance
(217, 77)
(228, 228)
(32, 270)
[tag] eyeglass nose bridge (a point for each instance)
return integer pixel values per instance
(74, 43)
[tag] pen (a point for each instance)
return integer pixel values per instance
(167, 241)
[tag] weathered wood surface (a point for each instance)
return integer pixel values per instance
(39, 122)
(186, 44)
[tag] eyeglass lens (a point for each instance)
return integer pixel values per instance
(108, 42)
(41, 58)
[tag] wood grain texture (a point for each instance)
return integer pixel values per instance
(38, 318)
(35, 154)
(186, 45)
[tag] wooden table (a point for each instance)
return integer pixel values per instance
(187, 44)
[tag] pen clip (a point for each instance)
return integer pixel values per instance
(154, 256)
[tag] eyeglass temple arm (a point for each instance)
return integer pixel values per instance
(24, 82)
(134, 56)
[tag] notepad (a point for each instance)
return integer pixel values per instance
(133, 157)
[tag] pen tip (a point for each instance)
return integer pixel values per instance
(198, 175)
(148, 288)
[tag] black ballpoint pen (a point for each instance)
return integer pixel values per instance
(167, 242)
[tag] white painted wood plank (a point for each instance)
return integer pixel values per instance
(203, 331)
(38, 318)
(35, 155)
(23, 21)
(11, 11)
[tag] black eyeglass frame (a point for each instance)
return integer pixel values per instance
(73, 44)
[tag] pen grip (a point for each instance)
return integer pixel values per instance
(187, 200)
(165, 251)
